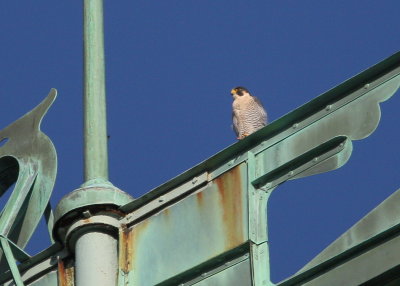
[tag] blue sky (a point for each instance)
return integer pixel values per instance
(170, 66)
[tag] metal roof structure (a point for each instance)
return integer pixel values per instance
(207, 226)
(218, 205)
(291, 123)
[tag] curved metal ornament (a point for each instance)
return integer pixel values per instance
(357, 120)
(28, 159)
(323, 141)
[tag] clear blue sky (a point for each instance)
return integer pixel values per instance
(170, 67)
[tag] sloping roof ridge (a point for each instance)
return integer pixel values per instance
(382, 219)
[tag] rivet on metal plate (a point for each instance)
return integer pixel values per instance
(161, 199)
(290, 173)
(328, 107)
(315, 159)
(366, 86)
(295, 125)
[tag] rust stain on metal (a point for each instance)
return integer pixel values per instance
(125, 250)
(87, 220)
(230, 191)
(128, 239)
(65, 274)
(166, 212)
(200, 198)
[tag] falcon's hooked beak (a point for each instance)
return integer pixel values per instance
(233, 91)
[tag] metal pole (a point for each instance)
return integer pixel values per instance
(95, 127)
(96, 259)
(95, 252)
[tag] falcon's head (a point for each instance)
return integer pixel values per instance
(239, 91)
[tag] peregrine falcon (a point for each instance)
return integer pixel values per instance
(248, 114)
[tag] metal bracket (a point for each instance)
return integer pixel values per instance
(259, 249)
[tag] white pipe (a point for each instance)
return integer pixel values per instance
(96, 260)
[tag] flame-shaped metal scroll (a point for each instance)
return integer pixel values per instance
(28, 159)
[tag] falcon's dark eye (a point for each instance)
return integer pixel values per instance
(239, 92)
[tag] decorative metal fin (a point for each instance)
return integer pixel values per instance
(351, 117)
(357, 119)
(28, 159)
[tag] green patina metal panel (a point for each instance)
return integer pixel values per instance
(198, 228)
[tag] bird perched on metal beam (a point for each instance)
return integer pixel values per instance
(248, 114)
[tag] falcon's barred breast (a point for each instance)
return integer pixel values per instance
(248, 114)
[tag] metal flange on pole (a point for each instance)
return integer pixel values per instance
(87, 223)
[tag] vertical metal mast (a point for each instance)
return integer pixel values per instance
(96, 254)
(95, 127)
(86, 219)
(95, 251)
